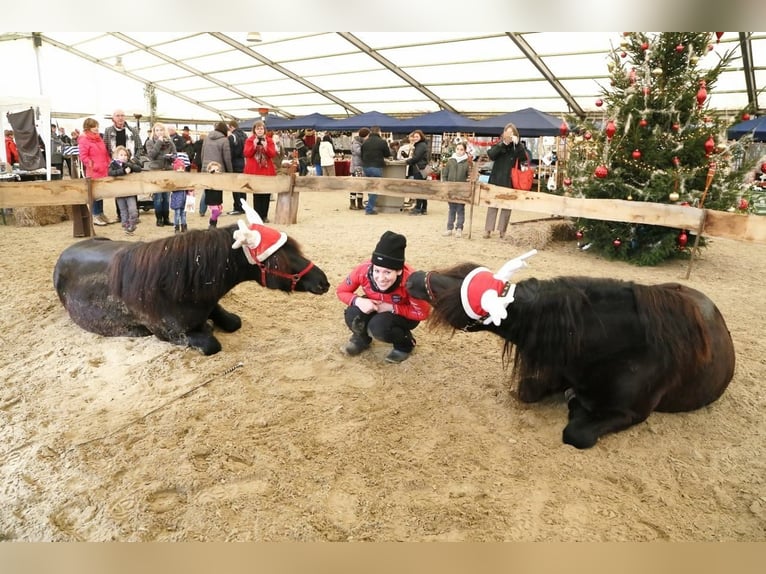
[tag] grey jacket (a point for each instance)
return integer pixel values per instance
(216, 147)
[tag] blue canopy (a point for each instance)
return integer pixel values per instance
(756, 127)
(365, 120)
(439, 122)
(272, 122)
(529, 121)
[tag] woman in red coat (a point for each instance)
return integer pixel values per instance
(259, 153)
(95, 160)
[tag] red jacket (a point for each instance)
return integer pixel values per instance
(11, 152)
(404, 305)
(262, 165)
(93, 155)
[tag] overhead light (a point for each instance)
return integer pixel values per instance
(253, 37)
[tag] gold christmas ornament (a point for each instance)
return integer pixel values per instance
(673, 196)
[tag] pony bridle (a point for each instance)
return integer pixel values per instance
(486, 296)
(259, 242)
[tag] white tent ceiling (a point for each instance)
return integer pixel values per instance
(205, 76)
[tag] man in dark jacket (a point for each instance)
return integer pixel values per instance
(375, 150)
(237, 142)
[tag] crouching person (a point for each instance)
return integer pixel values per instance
(384, 310)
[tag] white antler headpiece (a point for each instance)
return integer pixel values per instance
(486, 297)
(256, 240)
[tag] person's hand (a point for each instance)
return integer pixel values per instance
(367, 306)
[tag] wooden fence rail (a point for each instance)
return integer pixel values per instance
(740, 227)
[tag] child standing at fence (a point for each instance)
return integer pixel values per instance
(214, 197)
(127, 207)
(457, 169)
(178, 200)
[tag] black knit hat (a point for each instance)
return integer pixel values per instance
(389, 252)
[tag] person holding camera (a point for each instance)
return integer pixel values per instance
(259, 153)
(161, 150)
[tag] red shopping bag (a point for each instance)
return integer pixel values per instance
(521, 178)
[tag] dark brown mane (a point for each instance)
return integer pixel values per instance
(186, 267)
(448, 311)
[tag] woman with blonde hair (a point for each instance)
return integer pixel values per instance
(161, 150)
(504, 154)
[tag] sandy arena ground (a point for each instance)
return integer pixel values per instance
(280, 437)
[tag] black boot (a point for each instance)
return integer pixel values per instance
(166, 218)
(159, 219)
(212, 224)
(177, 229)
(356, 344)
(184, 228)
(359, 201)
(352, 204)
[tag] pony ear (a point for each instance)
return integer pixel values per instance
(252, 215)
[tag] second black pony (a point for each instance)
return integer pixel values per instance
(618, 350)
(171, 287)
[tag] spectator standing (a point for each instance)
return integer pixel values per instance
(504, 155)
(121, 134)
(215, 148)
(303, 154)
(374, 153)
(178, 140)
(259, 153)
(327, 155)
(66, 141)
(178, 200)
(456, 170)
(237, 142)
(128, 206)
(11, 151)
(417, 160)
(57, 151)
(95, 161)
(161, 151)
(356, 167)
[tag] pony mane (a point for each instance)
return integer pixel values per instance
(188, 266)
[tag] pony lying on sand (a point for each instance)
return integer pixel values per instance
(171, 287)
(618, 350)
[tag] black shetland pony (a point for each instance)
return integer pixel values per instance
(618, 350)
(171, 287)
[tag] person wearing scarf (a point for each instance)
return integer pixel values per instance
(95, 161)
(457, 169)
(259, 153)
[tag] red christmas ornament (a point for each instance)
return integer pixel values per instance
(701, 94)
(610, 129)
(743, 203)
(718, 37)
(599, 103)
(601, 172)
(676, 161)
(623, 54)
(675, 127)
(643, 123)
(763, 167)
(567, 181)
(646, 90)
(579, 234)
(709, 145)
(632, 76)
(682, 240)
(645, 46)
(680, 48)
(563, 129)
(617, 242)
(587, 135)
(636, 154)
(745, 116)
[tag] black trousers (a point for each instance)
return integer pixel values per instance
(261, 204)
(237, 196)
(385, 327)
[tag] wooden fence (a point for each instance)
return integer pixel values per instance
(81, 192)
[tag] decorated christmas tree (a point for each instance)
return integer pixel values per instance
(656, 141)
